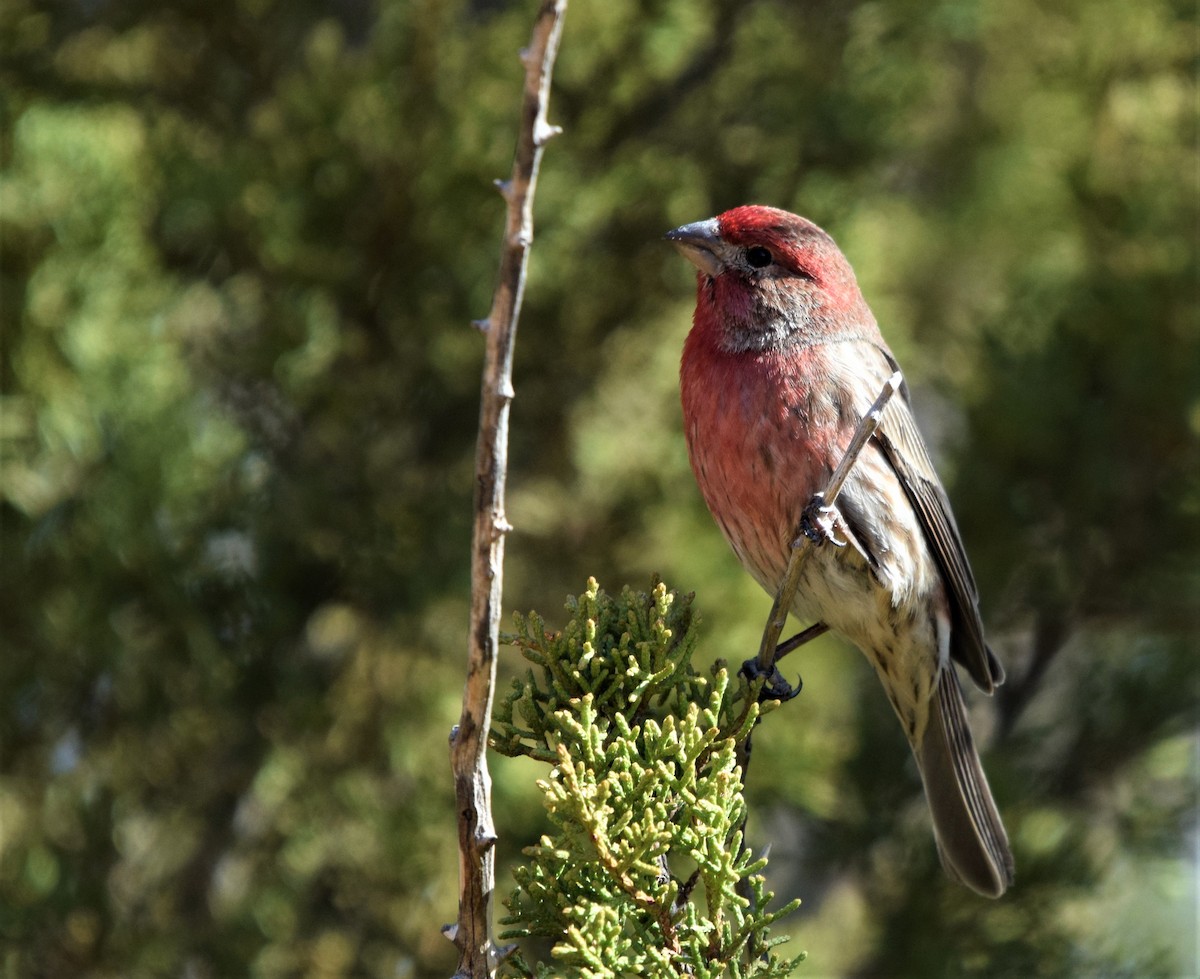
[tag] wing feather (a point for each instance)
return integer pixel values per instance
(905, 451)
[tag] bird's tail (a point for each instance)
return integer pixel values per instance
(971, 838)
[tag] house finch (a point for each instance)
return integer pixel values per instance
(782, 360)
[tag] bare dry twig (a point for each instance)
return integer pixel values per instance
(472, 934)
(769, 649)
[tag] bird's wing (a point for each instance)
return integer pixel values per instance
(905, 452)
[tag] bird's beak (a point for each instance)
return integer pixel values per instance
(701, 244)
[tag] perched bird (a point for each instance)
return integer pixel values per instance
(783, 358)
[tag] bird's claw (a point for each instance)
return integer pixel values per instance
(819, 522)
(775, 687)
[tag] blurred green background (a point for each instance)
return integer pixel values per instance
(241, 244)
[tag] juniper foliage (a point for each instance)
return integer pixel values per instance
(645, 872)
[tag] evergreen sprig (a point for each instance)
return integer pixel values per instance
(644, 872)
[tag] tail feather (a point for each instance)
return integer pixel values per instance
(971, 838)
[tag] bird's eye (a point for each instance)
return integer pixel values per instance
(758, 257)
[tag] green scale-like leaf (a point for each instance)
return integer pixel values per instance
(644, 782)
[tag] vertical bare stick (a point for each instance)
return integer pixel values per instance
(478, 954)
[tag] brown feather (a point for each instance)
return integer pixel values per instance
(971, 838)
(905, 450)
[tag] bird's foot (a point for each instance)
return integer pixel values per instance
(819, 523)
(775, 686)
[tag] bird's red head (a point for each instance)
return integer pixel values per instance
(768, 277)
(795, 243)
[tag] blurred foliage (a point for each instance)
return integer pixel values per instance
(241, 244)
(644, 872)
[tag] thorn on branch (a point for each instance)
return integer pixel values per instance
(506, 390)
(502, 526)
(543, 133)
(450, 931)
(453, 734)
(482, 325)
(485, 839)
(505, 188)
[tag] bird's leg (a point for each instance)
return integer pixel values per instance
(819, 522)
(799, 639)
(763, 667)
